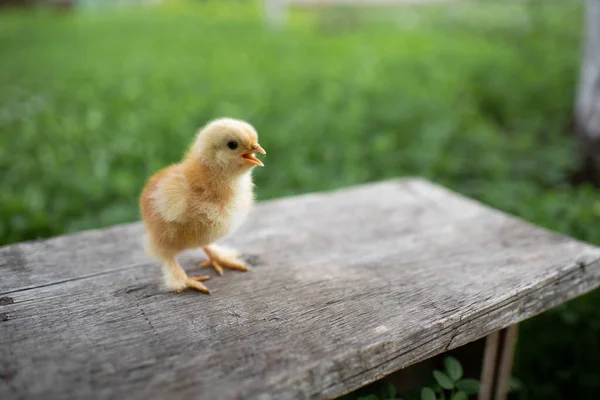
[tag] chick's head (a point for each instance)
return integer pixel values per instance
(229, 145)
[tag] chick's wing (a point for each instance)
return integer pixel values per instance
(171, 196)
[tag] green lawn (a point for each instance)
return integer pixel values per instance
(477, 97)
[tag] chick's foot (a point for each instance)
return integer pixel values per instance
(192, 282)
(177, 280)
(221, 258)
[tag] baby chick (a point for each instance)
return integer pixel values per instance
(201, 200)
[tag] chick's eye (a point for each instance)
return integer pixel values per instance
(232, 144)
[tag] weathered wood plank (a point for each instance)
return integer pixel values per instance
(347, 287)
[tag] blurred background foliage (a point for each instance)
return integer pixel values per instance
(474, 95)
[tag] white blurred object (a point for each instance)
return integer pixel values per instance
(101, 4)
(588, 94)
(276, 10)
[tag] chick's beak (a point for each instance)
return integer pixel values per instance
(249, 158)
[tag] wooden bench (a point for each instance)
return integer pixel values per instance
(347, 287)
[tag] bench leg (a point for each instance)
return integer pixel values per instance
(497, 364)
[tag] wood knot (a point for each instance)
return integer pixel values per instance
(7, 374)
(129, 289)
(4, 301)
(252, 259)
(134, 288)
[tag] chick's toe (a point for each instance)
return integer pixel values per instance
(220, 260)
(194, 283)
(215, 265)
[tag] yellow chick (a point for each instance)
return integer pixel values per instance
(201, 200)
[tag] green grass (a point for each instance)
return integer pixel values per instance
(477, 97)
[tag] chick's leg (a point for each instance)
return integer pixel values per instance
(221, 258)
(177, 280)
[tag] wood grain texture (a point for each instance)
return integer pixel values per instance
(347, 287)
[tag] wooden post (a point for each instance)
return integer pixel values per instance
(587, 107)
(488, 370)
(275, 12)
(497, 364)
